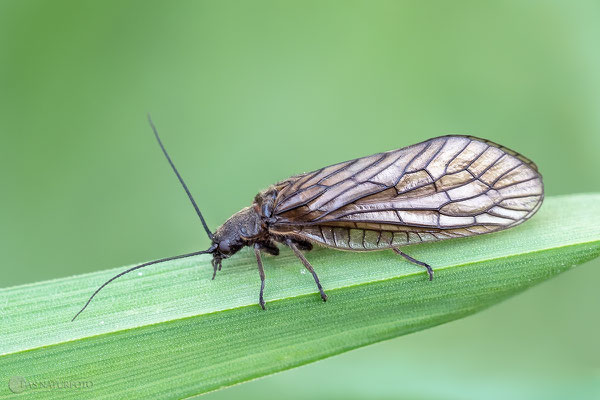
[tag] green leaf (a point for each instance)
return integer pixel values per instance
(171, 332)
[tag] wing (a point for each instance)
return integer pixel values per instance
(450, 186)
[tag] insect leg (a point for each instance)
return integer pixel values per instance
(261, 272)
(303, 245)
(269, 247)
(308, 266)
(216, 263)
(412, 260)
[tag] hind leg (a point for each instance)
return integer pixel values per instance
(414, 261)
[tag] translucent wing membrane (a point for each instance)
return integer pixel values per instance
(445, 187)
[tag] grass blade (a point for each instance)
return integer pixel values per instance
(172, 332)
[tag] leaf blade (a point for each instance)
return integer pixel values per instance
(224, 338)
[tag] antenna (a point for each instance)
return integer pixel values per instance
(209, 250)
(209, 233)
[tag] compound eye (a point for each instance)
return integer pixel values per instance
(224, 247)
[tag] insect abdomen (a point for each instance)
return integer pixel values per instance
(354, 239)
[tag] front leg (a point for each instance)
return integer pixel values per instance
(261, 272)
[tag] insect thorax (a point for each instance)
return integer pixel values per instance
(238, 231)
(264, 202)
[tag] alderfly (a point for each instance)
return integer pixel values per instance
(445, 187)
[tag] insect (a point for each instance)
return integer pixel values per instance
(445, 187)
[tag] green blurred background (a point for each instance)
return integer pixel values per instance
(246, 93)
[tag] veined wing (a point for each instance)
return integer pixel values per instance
(445, 187)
